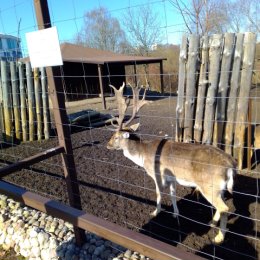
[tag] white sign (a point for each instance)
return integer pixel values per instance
(44, 48)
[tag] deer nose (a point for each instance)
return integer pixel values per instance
(109, 146)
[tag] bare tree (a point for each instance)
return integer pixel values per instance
(101, 31)
(143, 28)
(203, 16)
(236, 20)
(251, 12)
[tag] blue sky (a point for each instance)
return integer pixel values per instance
(67, 16)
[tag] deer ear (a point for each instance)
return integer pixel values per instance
(134, 127)
(126, 135)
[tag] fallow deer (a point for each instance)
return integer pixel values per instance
(206, 168)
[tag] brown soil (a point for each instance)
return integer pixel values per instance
(115, 189)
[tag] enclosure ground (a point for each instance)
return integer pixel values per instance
(115, 189)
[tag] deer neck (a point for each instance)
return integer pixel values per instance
(133, 150)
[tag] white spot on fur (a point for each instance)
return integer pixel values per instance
(126, 135)
(137, 158)
(230, 181)
(186, 183)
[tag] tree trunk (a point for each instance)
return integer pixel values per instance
(242, 106)
(16, 103)
(223, 89)
(38, 102)
(31, 101)
(214, 59)
(7, 101)
(203, 81)
(45, 105)
(23, 101)
(191, 87)
(2, 124)
(234, 88)
(181, 89)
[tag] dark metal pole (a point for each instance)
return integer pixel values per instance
(61, 120)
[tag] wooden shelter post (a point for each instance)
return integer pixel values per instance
(135, 72)
(101, 86)
(161, 77)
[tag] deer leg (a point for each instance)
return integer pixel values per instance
(219, 238)
(173, 197)
(222, 210)
(221, 214)
(215, 219)
(158, 200)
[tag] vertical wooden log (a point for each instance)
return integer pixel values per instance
(181, 89)
(223, 89)
(214, 59)
(23, 101)
(2, 124)
(38, 103)
(242, 106)
(7, 101)
(191, 88)
(16, 103)
(31, 101)
(234, 88)
(203, 81)
(45, 105)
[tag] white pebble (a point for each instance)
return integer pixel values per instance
(26, 244)
(36, 251)
(33, 233)
(34, 242)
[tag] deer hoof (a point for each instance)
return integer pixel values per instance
(155, 213)
(219, 238)
(213, 223)
(175, 215)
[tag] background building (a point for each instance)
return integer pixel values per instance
(10, 48)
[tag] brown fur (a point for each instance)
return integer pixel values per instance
(164, 160)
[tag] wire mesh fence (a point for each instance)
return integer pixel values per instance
(112, 187)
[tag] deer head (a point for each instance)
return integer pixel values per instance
(123, 128)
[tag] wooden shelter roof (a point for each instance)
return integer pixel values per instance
(77, 53)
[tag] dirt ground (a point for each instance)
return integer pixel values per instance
(115, 189)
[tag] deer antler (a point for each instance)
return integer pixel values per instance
(121, 103)
(124, 102)
(137, 104)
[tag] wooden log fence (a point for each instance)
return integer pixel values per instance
(24, 106)
(221, 93)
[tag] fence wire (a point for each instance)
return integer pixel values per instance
(111, 186)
